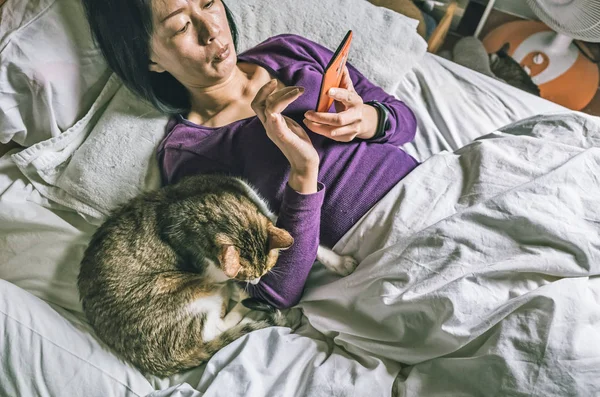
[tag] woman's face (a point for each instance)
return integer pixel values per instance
(192, 41)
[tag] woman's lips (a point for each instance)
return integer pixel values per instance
(222, 54)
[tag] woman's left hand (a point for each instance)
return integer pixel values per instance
(353, 119)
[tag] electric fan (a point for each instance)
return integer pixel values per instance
(546, 51)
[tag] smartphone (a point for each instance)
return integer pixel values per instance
(333, 73)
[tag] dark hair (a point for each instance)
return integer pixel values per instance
(122, 29)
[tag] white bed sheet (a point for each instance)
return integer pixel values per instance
(454, 105)
(41, 247)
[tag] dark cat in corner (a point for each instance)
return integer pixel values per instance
(504, 67)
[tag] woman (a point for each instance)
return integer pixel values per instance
(250, 115)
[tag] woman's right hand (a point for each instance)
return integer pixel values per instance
(288, 135)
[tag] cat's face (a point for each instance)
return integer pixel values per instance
(251, 253)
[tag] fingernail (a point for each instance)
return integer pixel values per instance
(301, 89)
(272, 81)
(332, 91)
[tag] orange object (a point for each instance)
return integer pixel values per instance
(555, 65)
(333, 73)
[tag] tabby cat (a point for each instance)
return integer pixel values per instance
(155, 280)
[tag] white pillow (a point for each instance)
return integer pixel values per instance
(50, 71)
(118, 160)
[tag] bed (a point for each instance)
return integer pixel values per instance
(477, 276)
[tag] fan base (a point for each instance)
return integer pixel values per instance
(562, 73)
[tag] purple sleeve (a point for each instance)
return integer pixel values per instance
(300, 215)
(403, 123)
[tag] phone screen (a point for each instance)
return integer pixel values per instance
(333, 73)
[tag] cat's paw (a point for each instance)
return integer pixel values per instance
(346, 266)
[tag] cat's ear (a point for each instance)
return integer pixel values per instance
(230, 260)
(279, 238)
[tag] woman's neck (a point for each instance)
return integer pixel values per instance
(206, 102)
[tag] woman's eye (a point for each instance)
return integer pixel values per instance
(209, 4)
(183, 29)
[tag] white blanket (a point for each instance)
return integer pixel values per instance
(477, 278)
(476, 270)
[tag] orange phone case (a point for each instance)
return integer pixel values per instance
(333, 73)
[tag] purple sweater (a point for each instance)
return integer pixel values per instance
(352, 176)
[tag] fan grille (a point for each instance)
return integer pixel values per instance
(579, 19)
